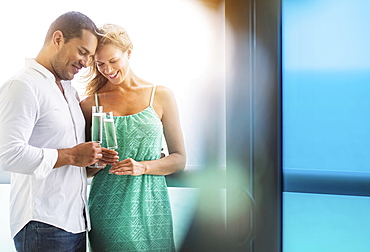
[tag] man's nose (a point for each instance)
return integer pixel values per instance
(84, 61)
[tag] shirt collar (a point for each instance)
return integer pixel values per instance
(32, 63)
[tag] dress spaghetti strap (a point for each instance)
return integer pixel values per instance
(152, 96)
(96, 101)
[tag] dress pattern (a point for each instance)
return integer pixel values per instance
(132, 213)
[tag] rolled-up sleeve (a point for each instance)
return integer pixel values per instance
(19, 111)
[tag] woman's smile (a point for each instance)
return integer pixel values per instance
(112, 76)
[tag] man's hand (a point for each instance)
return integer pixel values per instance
(81, 155)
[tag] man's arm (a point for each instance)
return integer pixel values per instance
(19, 112)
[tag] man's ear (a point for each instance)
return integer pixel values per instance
(57, 39)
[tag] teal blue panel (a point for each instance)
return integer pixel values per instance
(325, 223)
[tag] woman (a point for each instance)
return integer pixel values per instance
(128, 202)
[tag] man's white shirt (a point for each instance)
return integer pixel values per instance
(36, 120)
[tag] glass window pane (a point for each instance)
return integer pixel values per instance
(326, 85)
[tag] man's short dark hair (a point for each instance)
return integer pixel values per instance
(71, 25)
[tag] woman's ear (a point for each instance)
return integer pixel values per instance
(129, 50)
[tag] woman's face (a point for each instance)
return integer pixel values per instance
(112, 63)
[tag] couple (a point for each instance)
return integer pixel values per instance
(43, 144)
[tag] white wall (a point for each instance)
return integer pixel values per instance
(6, 243)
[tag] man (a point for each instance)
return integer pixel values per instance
(42, 141)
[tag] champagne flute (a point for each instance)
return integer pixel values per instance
(97, 128)
(110, 132)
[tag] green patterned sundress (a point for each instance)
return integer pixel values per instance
(132, 213)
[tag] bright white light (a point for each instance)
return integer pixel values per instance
(177, 43)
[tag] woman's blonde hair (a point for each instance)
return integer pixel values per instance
(111, 34)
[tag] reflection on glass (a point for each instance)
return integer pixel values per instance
(97, 128)
(110, 131)
(97, 124)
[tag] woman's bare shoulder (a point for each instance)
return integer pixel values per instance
(165, 97)
(163, 91)
(87, 101)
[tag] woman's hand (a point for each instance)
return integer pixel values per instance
(128, 167)
(109, 157)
